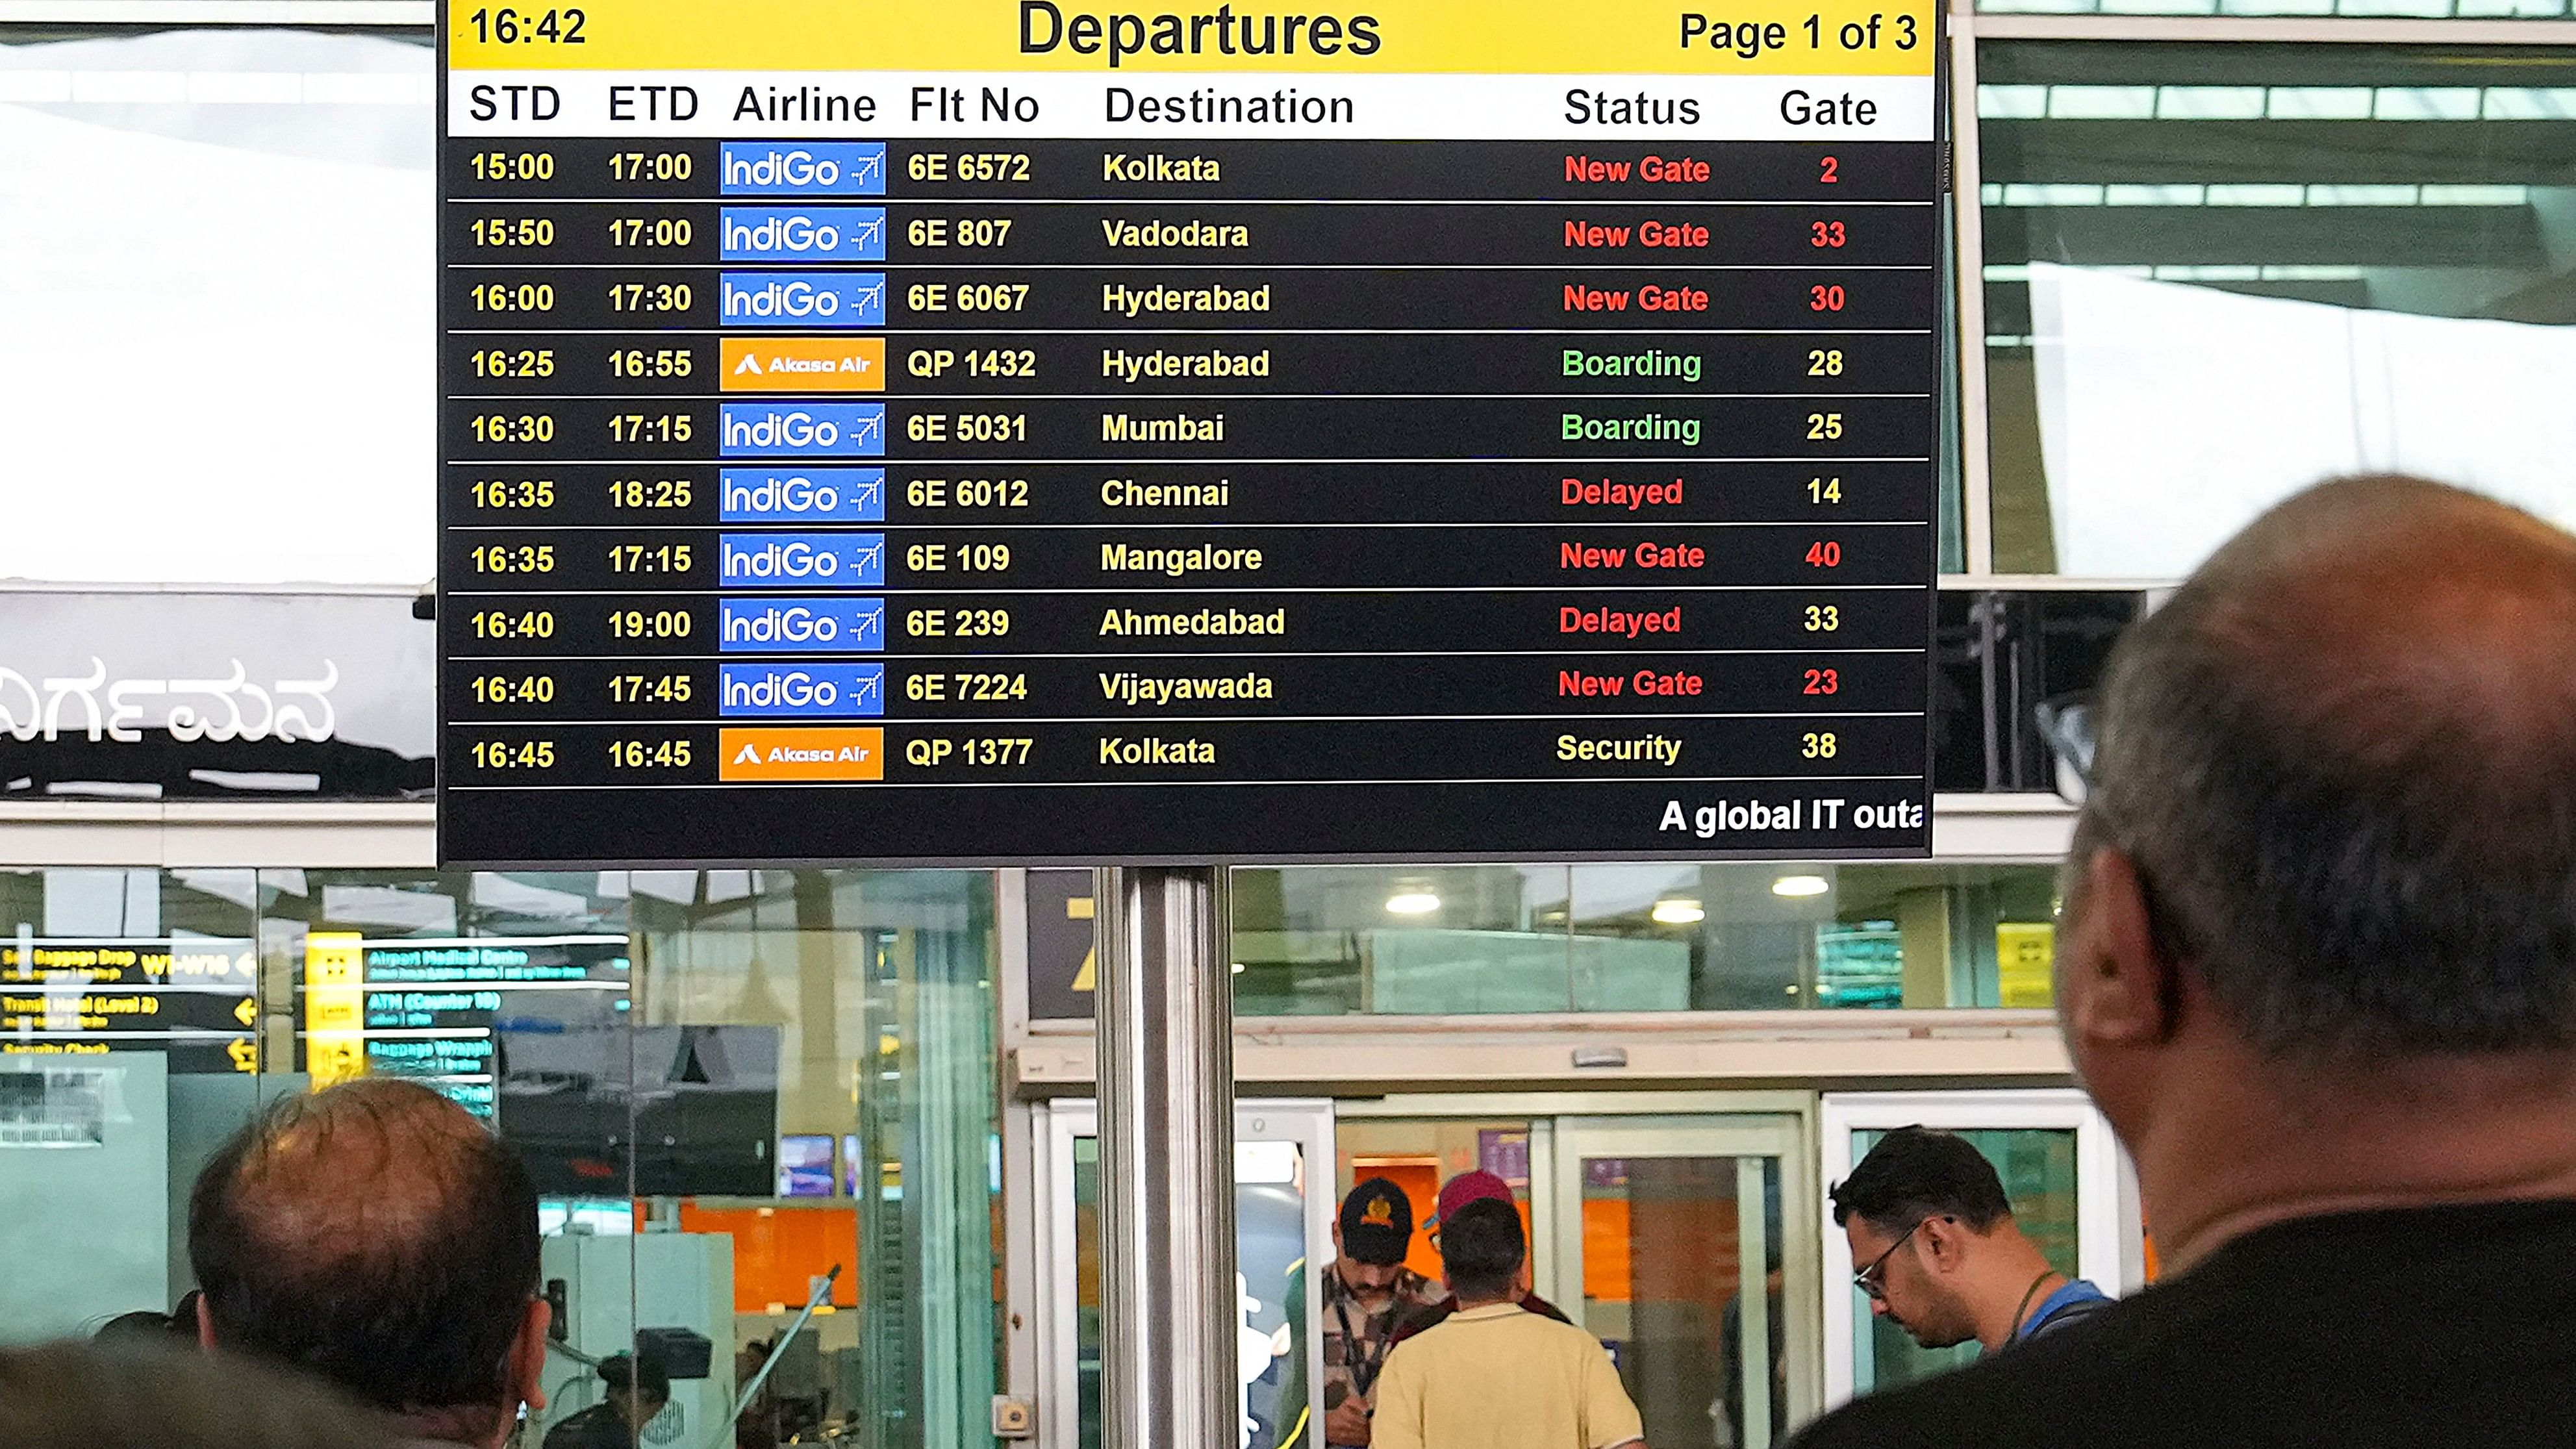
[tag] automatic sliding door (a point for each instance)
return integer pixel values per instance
(1283, 1201)
(1679, 1233)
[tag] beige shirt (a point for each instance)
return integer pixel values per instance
(1497, 1377)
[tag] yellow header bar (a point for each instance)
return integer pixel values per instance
(1119, 37)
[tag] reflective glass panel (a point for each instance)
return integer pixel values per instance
(742, 1095)
(129, 1050)
(2215, 273)
(1671, 1285)
(160, 161)
(2381, 9)
(1270, 1267)
(1621, 938)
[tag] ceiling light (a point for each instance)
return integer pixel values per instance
(1801, 885)
(1677, 911)
(1412, 903)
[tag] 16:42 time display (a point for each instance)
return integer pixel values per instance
(507, 26)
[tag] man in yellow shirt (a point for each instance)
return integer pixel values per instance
(1494, 1376)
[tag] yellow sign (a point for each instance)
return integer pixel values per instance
(335, 1010)
(334, 958)
(1083, 908)
(2024, 953)
(1108, 37)
(334, 1060)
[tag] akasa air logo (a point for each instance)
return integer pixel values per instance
(825, 752)
(804, 364)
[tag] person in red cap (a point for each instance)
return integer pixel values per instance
(1457, 1192)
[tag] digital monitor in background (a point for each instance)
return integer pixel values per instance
(805, 1165)
(596, 1217)
(850, 1164)
(652, 1111)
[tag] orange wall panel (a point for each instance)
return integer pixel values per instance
(1607, 1274)
(778, 1251)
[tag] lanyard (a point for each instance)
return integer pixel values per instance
(1364, 1372)
(2019, 1329)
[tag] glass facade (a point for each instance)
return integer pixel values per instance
(2302, 9)
(160, 160)
(2328, 258)
(1472, 940)
(1274, 1264)
(739, 1092)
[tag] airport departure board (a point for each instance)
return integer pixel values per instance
(1019, 431)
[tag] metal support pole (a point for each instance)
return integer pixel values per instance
(1168, 1302)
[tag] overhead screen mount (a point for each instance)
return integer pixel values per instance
(1017, 431)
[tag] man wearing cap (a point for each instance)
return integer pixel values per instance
(1367, 1290)
(1457, 1192)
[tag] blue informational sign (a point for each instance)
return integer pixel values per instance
(802, 234)
(803, 168)
(784, 626)
(803, 430)
(803, 299)
(802, 495)
(802, 691)
(800, 560)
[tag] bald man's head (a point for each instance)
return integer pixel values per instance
(2343, 761)
(378, 1236)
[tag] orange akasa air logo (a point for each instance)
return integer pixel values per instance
(1379, 1213)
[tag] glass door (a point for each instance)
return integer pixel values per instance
(1675, 1247)
(2060, 1167)
(1283, 1205)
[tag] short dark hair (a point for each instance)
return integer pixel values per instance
(373, 1234)
(1916, 1173)
(141, 1394)
(1481, 1247)
(2342, 758)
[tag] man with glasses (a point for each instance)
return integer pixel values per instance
(2317, 965)
(1936, 1249)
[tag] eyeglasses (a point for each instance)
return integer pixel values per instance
(1866, 1280)
(2068, 724)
